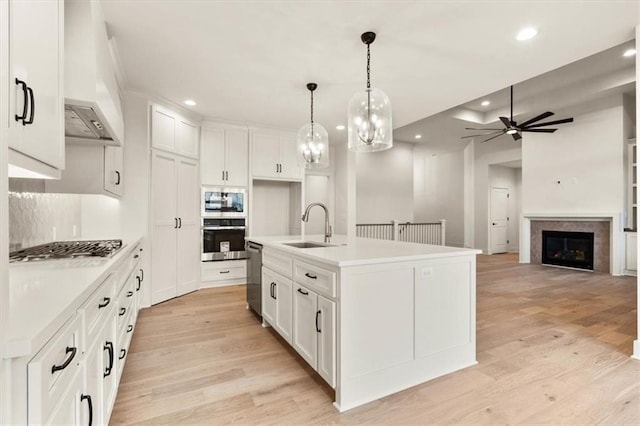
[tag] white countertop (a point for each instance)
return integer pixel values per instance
(361, 251)
(43, 295)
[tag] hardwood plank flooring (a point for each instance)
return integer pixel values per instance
(553, 347)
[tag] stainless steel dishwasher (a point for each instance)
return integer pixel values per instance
(254, 277)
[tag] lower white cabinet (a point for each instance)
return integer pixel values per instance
(277, 303)
(70, 410)
(223, 272)
(631, 253)
(314, 330)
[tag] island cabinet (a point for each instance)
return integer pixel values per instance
(276, 301)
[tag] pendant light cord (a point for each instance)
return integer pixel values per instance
(311, 107)
(368, 67)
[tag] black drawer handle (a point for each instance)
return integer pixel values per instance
(141, 274)
(129, 328)
(139, 281)
(108, 346)
(123, 353)
(129, 293)
(105, 302)
(122, 311)
(301, 291)
(69, 350)
(313, 277)
(118, 176)
(179, 222)
(135, 256)
(33, 106)
(273, 291)
(224, 272)
(88, 398)
(24, 101)
(318, 322)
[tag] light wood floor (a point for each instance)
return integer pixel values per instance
(553, 347)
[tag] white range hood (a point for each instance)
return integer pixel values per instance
(93, 108)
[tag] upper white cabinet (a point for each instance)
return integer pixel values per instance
(224, 157)
(174, 133)
(36, 127)
(275, 156)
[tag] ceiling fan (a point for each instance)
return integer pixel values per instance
(514, 129)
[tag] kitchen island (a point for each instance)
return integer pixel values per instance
(372, 317)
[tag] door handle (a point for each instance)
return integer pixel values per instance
(318, 322)
(105, 302)
(223, 175)
(33, 106)
(179, 222)
(88, 398)
(24, 101)
(108, 346)
(118, 176)
(66, 363)
(175, 225)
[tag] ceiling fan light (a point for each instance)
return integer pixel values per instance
(512, 131)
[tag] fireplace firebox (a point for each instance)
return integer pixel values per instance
(568, 249)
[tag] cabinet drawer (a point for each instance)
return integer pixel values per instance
(99, 303)
(125, 301)
(128, 266)
(316, 278)
(123, 342)
(53, 369)
(277, 262)
(224, 270)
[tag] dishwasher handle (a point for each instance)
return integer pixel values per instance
(254, 248)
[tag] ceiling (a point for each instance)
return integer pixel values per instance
(249, 62)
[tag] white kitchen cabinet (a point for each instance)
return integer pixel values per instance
(314, 331)
(91, 170)
(175, 247)
(174, 133)
(274, 156)
(93, 377)
(224, 157)
(223, 272)
(68, 410)
(631, 253)
(277, 303)
(36, 121)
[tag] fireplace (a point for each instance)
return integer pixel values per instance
(569, 249)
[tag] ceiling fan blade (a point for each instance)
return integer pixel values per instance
(516, 136)
(505, 121)
(536, 118)
(539, 130)
(551, 123)
(473, 128)
(483, 134)
(487, 140)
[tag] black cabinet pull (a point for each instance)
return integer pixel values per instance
(179, 222)
(313, 277)
(24, 101)
(141, 274)
(274, 291)
(138, 286)
(318, 322)
(88, 399)
(175, 225)
(129, 328)
(224, 272)
(69, 350)
(301, 291)
(129, 293)
(271, 290)
(33, 106)
(118, 175)
(108, 346)
(123, 353)
(136, 256)
(223, 175)
(122, 311)
(226, 175)
(105, 302)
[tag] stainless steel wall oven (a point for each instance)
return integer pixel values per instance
(223, 239)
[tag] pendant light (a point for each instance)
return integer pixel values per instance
(369, 113)
(313, 141)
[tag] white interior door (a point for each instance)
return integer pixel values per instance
(499, 219)
(188, 244)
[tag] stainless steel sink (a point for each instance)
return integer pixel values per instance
(307, 244)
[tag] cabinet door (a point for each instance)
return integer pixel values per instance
(113, 173)
(93, 382)
(284, 308)
(187, 138)
(237, 157)
(188, 250)
(164, 226)
(36, 37)
(268, 297)
(265, 156)
(109, 366)
(212, 163)
(289, 168)
(163, 129)
(67, 412)
(325, 323)
(304, 323)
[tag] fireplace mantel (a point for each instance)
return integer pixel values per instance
(616, 232)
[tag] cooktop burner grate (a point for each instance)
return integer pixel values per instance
(67, 249)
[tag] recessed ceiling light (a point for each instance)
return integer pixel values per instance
(340, 127)
(190, 102)
(629, 52)
(485, 103)
(527, 34)
(418, 136)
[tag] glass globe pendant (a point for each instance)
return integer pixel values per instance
(369, 114)
(313, 141)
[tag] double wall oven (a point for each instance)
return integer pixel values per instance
(224, 215)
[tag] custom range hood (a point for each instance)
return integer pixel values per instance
(93, 108)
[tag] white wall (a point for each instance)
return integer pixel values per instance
(317, 190)
(510, 178)
(271, 210)
(580, 168)
(439, 191)
(384, 185)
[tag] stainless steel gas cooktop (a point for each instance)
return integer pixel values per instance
(67, 249)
